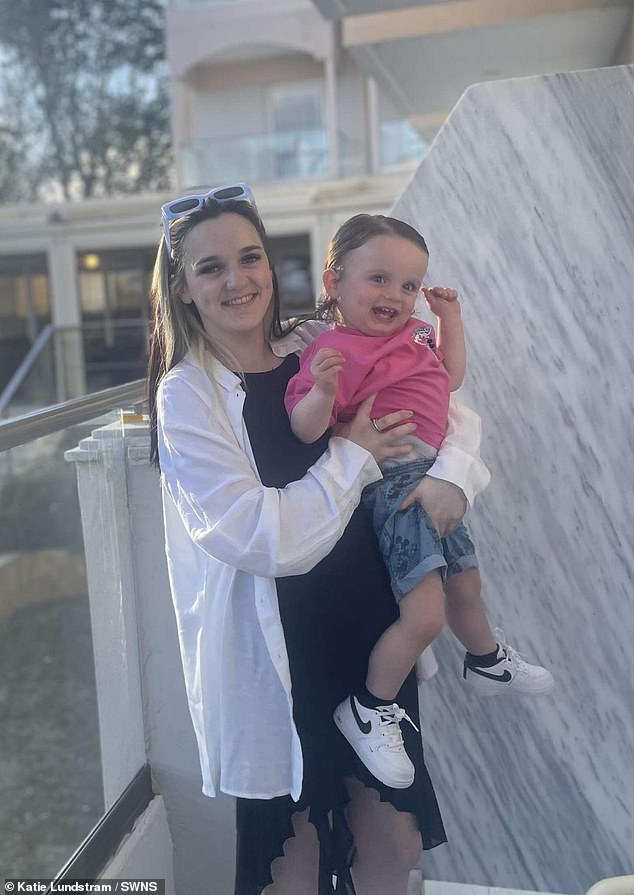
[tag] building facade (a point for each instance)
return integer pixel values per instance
(325, 107)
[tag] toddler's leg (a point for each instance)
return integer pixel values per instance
(466, 614)
(422, 617)
(490, 667)
(370, 719)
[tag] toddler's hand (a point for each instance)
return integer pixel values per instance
(326, 366)
(441, 300)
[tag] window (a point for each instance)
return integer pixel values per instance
(296, 113)
(114, 288)
(24, 308)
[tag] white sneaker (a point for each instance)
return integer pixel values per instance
(510, 674)
(375, 735)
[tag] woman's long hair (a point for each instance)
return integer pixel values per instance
(176, 327)
(353, 234)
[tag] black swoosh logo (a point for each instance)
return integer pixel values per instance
(364, 726)
(503, 678)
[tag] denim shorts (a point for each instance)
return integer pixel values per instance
(410, 545)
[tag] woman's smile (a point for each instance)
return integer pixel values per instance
(240, 300)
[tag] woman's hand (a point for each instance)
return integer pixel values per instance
(444, 503)
(371, 433)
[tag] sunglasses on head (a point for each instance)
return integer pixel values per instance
(178, 208)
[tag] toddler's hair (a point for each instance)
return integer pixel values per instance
(353, 234)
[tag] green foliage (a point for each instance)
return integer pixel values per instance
(10, 165)
(85, 98)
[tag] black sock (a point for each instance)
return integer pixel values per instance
(369, 700)
(487, 660)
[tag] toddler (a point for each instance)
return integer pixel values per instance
(374, 270)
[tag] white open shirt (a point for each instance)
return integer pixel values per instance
(228, 537)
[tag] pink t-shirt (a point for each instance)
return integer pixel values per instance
(404, 369)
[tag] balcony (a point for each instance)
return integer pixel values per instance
(92, 692)
(97, 748)
(261, 158)
(293, 155)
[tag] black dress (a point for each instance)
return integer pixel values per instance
(332, 617)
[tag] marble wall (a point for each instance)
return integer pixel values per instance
(527, 202)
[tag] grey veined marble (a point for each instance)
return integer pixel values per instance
(527, 202)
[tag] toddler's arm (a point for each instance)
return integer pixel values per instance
(445, 305)
(312, 415)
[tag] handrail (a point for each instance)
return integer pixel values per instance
(103, 840)
(29, 426)
(30, 358)
(25, 366)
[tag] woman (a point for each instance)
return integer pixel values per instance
(263, 536)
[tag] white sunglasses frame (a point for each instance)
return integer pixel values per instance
(198, 199)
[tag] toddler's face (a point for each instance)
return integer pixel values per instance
(378, 284)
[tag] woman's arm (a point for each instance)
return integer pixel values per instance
(231, 515)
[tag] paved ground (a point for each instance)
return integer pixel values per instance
(50, 776)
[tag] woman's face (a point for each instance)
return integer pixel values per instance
(228, 277)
